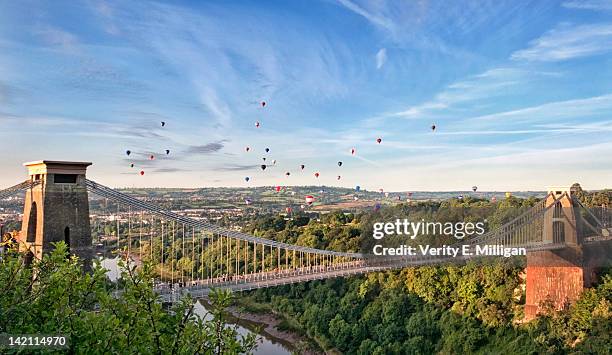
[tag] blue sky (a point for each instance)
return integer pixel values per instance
(521, 91)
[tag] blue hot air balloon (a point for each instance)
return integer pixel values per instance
(357, 188)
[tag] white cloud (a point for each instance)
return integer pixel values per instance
(487, 84)
(588, 107)
(381, 58)
(568, 42)
(375, 19)
(57, 37)
(589, 4)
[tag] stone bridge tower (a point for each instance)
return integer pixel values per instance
(556, 276)
(57, 209)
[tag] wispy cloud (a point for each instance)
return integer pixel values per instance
(488, 84)
(590, 107)
(205, 149)
(589, 4)
(567, 42)
(58, 37)
(376, 19)
(237, 167)
(381, 58)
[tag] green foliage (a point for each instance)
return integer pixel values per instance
(55, 296)
(446, 309)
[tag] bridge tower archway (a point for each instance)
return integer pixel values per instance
(557, 276)
(57, 209)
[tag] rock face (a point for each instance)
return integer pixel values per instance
(57, 209)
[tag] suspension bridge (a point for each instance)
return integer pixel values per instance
(193, 256)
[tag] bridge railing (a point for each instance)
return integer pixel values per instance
(109, 193)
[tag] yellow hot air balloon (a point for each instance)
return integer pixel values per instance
(508, 194)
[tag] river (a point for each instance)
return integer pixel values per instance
(267, 344)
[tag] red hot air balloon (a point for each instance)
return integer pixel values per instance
(152, 157)
(378, 140)
(278, 188)
(141, 172)
(309, 200)
(316, 175)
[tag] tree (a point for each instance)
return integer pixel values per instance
(54, 296)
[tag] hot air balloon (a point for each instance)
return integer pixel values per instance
(263, 104)
(357, 188)
(152, 157)
(474, 188)
(433, 127)
(141, 172)
(263, 166)
(288, 210)
(353, 151)
(267, 150)
(508, 194)
(287, 173)
(309, 200)
(257, 124)
(163, 123)
(339, 163)
(247, 179)
(274, 162)
(302, 166)
(378, 140)
(264, 158)
(247, 148)
(339, 177)
(132, 165)
(278, 188)
(316, 175)
(128, 152)
(167, 151)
